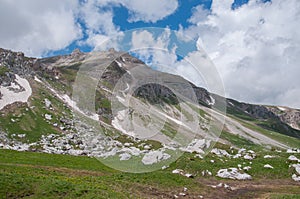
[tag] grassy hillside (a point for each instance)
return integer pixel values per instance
(39, 175)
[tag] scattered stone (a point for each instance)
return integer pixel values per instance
(297, 168)
(21, 135)
(197, 145)
(293, 158)
(154, 157)
(296, 178)
(48, 116)
(247, 168)
(248, 157)
(177, 171)
(233, 173)
(206, 173)
(181, 172)
(268, 156)
(47, 103)
(293, 150)
(220, 152)
(188, 175)
(124, 156)
(268, 166)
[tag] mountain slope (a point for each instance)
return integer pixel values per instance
(51, 121)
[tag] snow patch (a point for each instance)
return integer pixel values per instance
(10, 96)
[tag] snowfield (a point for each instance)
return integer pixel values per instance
(19, 91)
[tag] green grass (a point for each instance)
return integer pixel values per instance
(30, 120)
(3, 70)
(40, 175)
(237, 140)
(290, 141)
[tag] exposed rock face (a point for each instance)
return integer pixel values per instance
(15, 63)
(256, 111)
(288, 116)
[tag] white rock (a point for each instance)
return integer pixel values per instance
(293, 151)
(296, 178)
(248, 157)
(188, 175)
(177, 171)
(268, 156)
(250, 151)
(297, 168)
(206, 172)
(124, 156)
(237, 156)
(154, 157)
(127, 144)
(197, 145)
(47, 103)
(233, 173)
(198, 156)
(21, 135)
(247, 168)
(268, 166)
(220, 152)
(48, 116)
(293, 158)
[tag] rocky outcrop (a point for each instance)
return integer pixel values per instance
(14, 63)
(287, 115)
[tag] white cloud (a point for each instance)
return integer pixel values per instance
(98, 16)
(143, 10)
(35, 27)
(255, 48)
(160, 53)
(149, 11)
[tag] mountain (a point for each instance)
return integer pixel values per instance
(112, 106)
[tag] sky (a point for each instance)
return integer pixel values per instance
(253, 44)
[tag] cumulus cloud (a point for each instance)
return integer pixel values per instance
(143, 10)
(98, 17)
(255, 48)
(149, 11)
(160, 52)
(35, 27)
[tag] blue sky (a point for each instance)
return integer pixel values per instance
(253, 44)
(121, 14)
